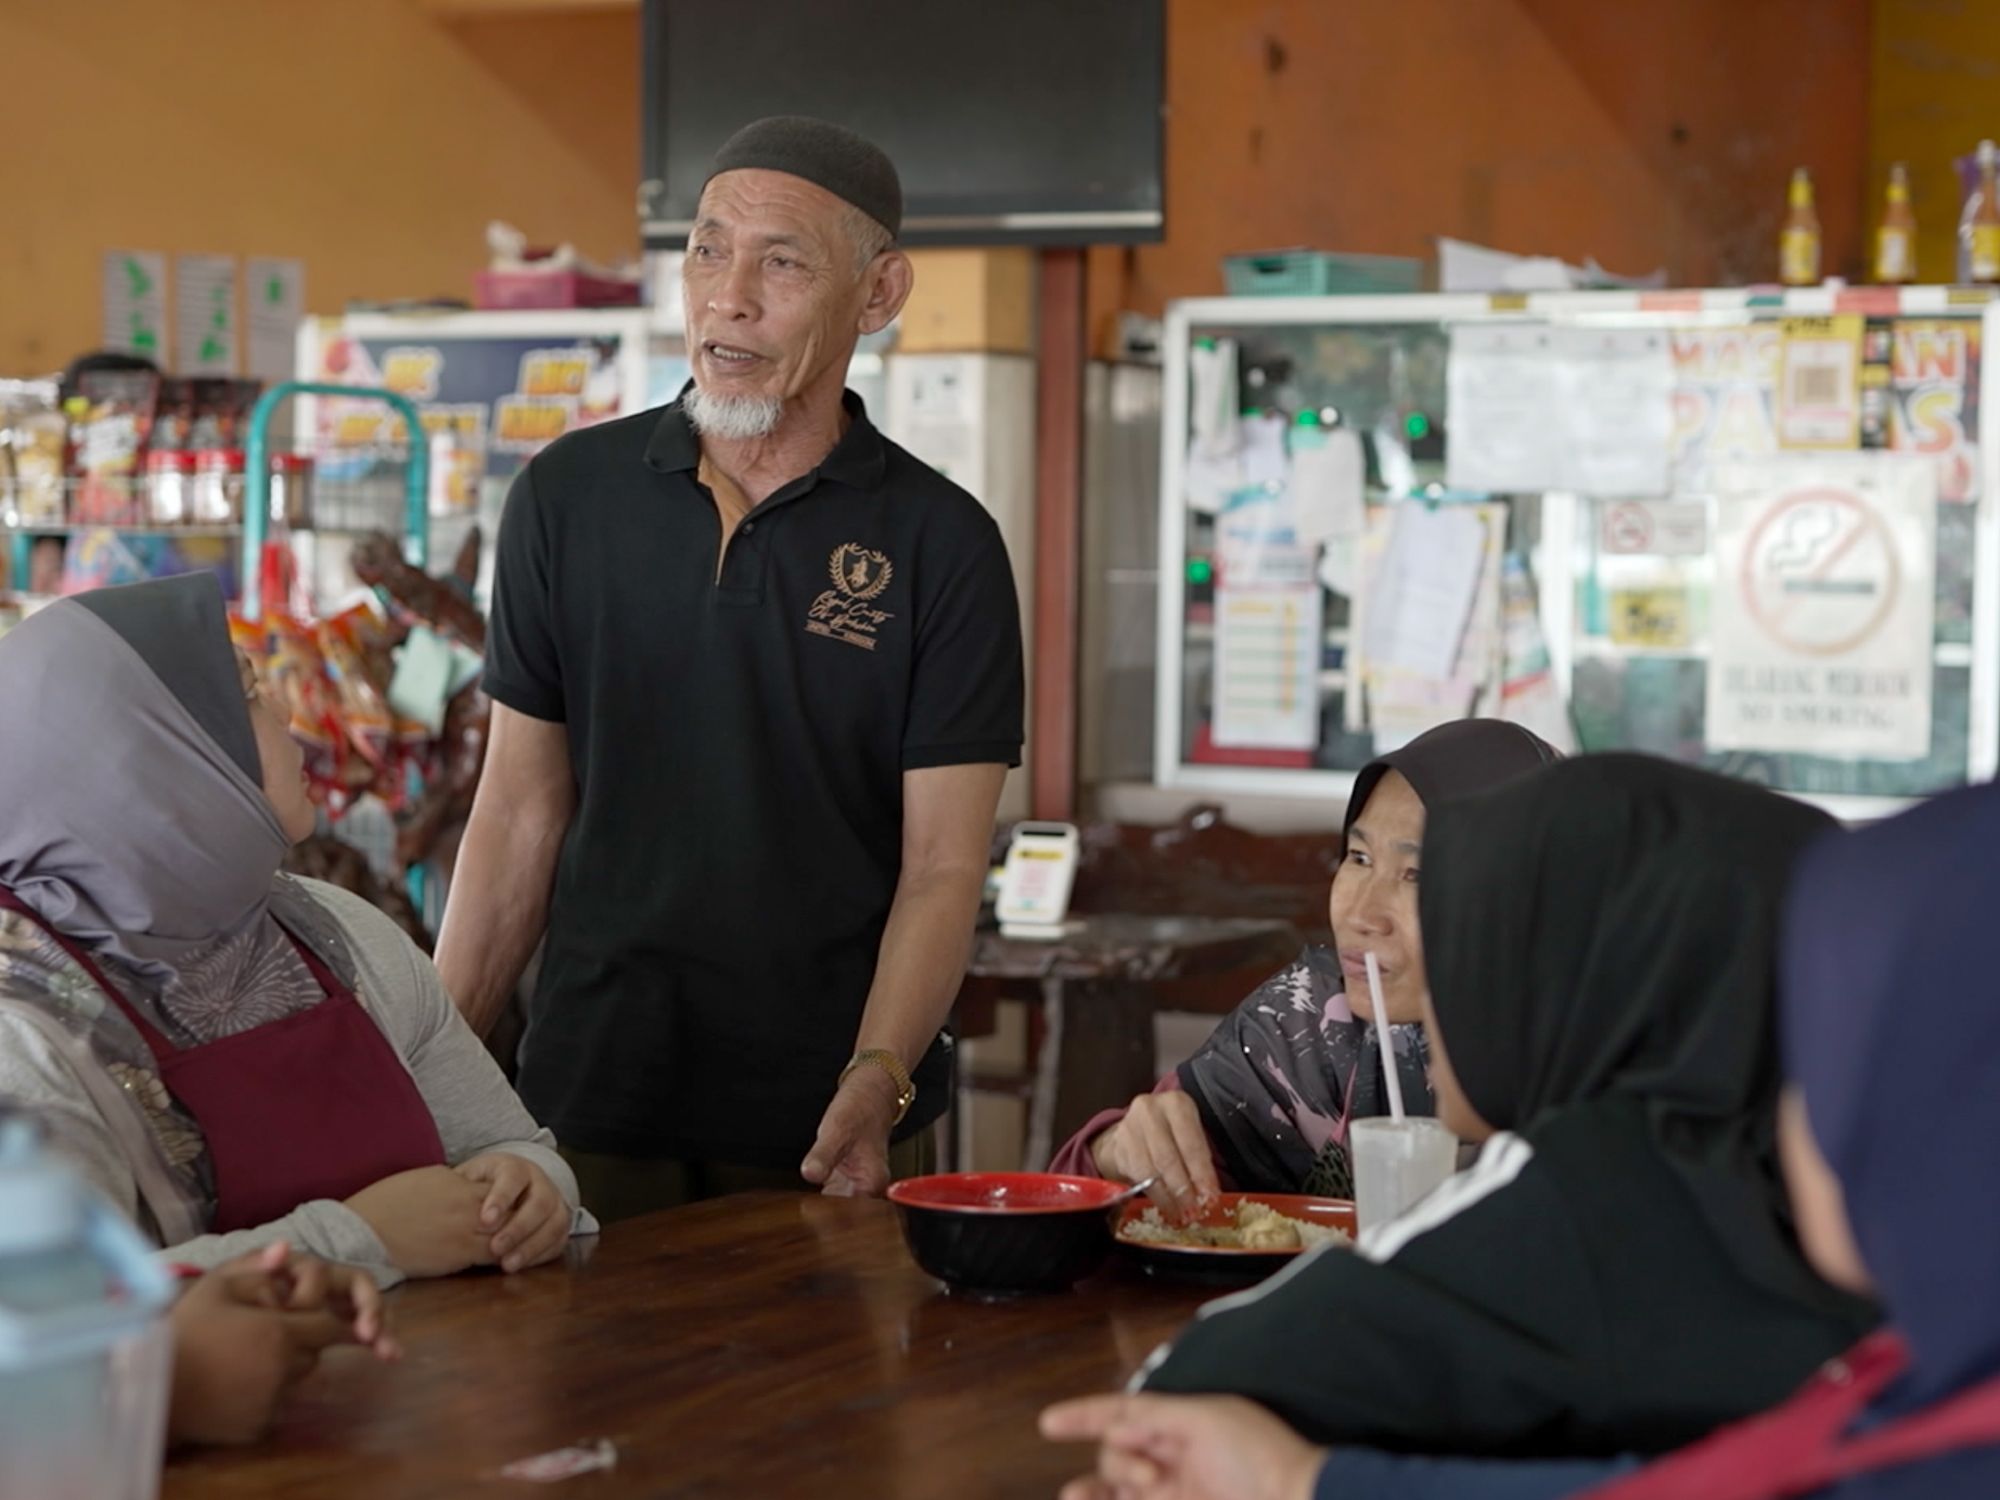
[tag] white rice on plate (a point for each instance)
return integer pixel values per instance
(1257, 1226)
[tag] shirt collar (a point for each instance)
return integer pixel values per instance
(858, 460)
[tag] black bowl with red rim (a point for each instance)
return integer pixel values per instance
(999, 1233)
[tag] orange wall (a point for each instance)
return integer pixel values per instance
(362, 136)
(375, 141)
(1935, 93)
(1643, 132)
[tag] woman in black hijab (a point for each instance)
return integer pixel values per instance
(1265, 1104)
(1618, 1273)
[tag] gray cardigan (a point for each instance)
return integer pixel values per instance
(100, 1131)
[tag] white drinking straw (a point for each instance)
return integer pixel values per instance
(1382, 1037)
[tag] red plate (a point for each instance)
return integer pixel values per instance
(1229, 1261)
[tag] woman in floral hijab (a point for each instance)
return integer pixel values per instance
(1265, 1104)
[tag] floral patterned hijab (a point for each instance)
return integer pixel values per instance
(1287, 1070)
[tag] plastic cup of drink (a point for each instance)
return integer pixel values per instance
(1397, 1163)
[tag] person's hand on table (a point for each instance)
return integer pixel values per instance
(1184, 1448)
(252, 1328)
(527, 1216)
(1161, 1138)
(429, 1220)
(850, 1156)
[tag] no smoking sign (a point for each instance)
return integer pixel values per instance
(1824, 611)
(1820, 572)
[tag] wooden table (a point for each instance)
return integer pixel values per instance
(1101, 985)
(770, 1345)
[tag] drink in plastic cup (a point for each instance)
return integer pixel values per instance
(85, 1351)
(1397, 1163)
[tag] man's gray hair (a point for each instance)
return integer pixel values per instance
(869, 238)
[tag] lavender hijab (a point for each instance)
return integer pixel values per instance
(1281, 1077)
(136, 826)
(136, 818)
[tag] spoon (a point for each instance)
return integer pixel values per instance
(1131, 1192)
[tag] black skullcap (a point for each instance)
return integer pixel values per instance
(852, 169)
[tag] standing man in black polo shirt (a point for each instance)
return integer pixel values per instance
(756, 675)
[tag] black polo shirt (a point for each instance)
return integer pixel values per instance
(739, 747)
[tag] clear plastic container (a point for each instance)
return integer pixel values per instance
(291, 492)
(219, 484)
(169, 488)
(86, 1355)
(1397, 1164)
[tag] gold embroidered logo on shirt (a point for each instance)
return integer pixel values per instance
(842, 613)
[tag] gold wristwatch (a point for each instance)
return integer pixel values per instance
(888, 1062)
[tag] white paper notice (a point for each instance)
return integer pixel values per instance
(1210, 479)
(1725, 398)
(1615, 396)
(1402, 703)
(1824, 606)
(1267, 653)
(1528, 694)
(1264, 460)
(1340, 564)
(1212, 399)
(1254, 518)
(1501, 389)
(1819, 394)
(1266, 564)
(1655, 528)
(1328, 482)
(135, 302)
(205, 314)
(1421, 593)
(276, 292)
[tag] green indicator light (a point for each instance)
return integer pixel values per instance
(1417, 426)
(1199, 570)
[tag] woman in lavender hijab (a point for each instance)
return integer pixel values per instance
(1265, 1104)
(234, 1057)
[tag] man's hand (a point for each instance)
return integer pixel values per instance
(850, 1157)
(527, 1216)
(1184, 1448)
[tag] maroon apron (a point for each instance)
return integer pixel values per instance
(317, 1105)
(1808, 1445)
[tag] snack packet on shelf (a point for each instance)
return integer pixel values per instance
(110, 432)
(33, 438)
(173, 415)
(289, 664)
(221, 412)
(350, 643)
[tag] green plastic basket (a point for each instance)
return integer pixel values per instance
(1319, 273)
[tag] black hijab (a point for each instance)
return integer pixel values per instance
(1459, 759)
(1608, 930)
